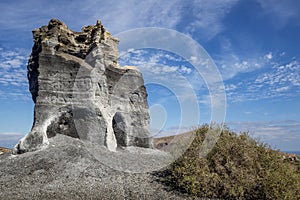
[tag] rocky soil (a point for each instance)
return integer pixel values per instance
(70, 168)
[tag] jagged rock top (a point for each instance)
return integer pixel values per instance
(75, 43)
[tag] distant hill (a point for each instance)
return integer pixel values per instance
(162, 142)
(4, 150)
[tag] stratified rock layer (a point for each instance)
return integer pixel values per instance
(80, 91)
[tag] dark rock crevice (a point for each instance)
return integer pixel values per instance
(63, 125)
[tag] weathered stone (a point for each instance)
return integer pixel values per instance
(79, 90)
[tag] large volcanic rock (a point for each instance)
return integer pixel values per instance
(85, 107)
(80, 91)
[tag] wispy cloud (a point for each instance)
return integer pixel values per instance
(231, 63)
(13, 74)
(282, 75)
(167, 70)
(117, 15)
(207, 17)
(191, 16)
(258, 76)
(184, 84)
(279, 134)
(277, 80)
(281, 12)
(269, 56)
(162, 67)
(9, 139)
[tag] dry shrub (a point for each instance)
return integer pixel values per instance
(238, 167)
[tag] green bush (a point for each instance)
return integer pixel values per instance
(238, 167)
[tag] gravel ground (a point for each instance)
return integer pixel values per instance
(72, 169)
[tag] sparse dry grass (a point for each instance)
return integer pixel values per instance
(4, 150)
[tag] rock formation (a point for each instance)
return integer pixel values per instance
(79, 90)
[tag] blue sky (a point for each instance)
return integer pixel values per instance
(255, 45)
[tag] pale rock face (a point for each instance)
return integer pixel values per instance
(80, 91)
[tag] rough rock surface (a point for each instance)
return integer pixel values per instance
(79, 90)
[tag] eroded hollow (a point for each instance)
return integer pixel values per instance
(63, 125)
(119, 128)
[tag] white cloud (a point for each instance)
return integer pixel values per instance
(193, 59)
(9, 139)
(230, 87)
(157, 63)
(124, 15)
(23, 15)
(268, 56)
(5, 135)
(264, 76)
(282, 89)
(272, 80)
(279, 134)
(185, 69)
(12, 59)
(231, 65)
(203, 17)
(282, 75)
(282, 54)
(207, 16)
(178, 77)
(117, 15)
(281, 12)
(13, 74)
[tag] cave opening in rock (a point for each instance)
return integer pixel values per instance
(119, 127)
(63, 125)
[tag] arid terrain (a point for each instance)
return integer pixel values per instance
(4, 150)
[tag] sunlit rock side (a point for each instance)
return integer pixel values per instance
(79, 90)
